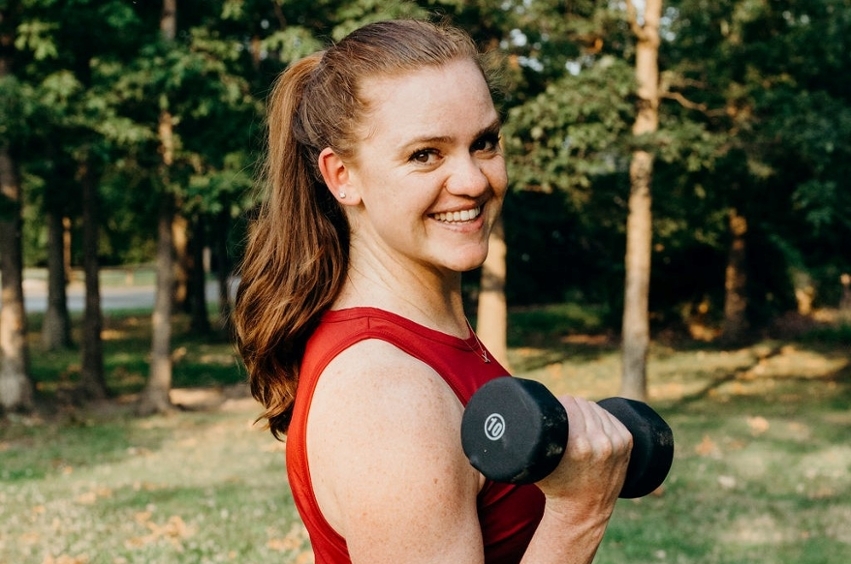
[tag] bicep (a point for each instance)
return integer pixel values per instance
(410, 506)
(390, 465)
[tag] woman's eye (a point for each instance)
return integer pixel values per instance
(424, 156)
(488, 143)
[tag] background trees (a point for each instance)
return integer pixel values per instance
(102, 121)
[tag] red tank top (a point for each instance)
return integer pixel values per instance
(508, 514)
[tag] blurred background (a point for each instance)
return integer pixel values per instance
(677, 230)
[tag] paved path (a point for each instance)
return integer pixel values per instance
(112, 297)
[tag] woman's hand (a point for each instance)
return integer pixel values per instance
(593, 469)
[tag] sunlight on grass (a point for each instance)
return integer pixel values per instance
(762, 469)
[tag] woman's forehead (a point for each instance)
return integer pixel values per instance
(427, 99)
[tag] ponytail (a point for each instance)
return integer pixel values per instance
(296, 257)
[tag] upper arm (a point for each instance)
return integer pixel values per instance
(386, 460)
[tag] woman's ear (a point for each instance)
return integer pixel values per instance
(337, 177)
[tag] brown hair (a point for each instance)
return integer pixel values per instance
(296, 258)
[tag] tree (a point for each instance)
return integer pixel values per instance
(566, 149)
(735, 282)
(92, 377)
(56, 327)
(197, 283)
(763, 79)
(16, 388)
(492, 310)
(639, 227)
(155, 397)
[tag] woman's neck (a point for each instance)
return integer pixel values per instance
(429, 297)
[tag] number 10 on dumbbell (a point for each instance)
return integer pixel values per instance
(514, 430)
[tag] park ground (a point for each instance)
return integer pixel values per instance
(762, 471)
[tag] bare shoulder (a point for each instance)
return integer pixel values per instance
(375, 368)
(386, 462)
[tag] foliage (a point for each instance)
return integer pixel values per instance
(756, 116)
(762, 78)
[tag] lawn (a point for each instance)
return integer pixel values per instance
(761, 472)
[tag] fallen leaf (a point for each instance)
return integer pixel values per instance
(758, 425)
(707, 447)
(727, 482)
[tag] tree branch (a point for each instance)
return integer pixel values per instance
(686, 103)
(279, 14)
(632, 18)
(683, 101)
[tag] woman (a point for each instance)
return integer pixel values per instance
(384, 177)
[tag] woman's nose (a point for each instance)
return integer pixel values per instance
(467, 177)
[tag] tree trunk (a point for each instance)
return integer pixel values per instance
(845, 300)
(66, 249)
(16, 388)
(182, 262)
(639, 226)
(735, 326)
(223, 266)
(168, 20)
(199, 320)
(492, 316)
(155, 396)
(92, 378)
(56, 329)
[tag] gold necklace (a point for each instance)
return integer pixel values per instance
(482, 352)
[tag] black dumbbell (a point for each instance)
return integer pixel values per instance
(514, 430)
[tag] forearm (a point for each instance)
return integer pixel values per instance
(566, 538)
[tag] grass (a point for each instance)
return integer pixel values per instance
(762, 472)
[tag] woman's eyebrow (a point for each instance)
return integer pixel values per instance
(490, 129)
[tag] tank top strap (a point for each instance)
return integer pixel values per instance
(458, 361)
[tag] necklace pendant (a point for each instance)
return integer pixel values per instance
(482, 352)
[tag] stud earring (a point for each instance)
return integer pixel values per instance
(342, 195)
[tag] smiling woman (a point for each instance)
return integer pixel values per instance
(384, 178)
(426, 183)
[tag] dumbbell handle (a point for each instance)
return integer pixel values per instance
(532, 426)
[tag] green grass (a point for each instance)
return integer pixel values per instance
(762, 471)
(199, 360)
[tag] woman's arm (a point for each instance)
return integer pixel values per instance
(384, 450)
(389, 473)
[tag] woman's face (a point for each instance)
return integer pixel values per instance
(428, 178)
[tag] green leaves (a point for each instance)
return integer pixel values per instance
(291, 44)
(37, 36)
(756, 114)
(577, 129)
(13, 108)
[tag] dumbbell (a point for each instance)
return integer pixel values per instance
(514, 430)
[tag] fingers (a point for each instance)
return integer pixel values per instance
(593, 468)
(594, 433)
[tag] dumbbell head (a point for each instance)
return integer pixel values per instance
(514, 430)
(652, 445)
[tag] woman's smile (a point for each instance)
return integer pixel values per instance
(462, 216)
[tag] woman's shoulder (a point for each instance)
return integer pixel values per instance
(383, 444)
(377, 376)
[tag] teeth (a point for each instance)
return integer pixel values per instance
(464, 215)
